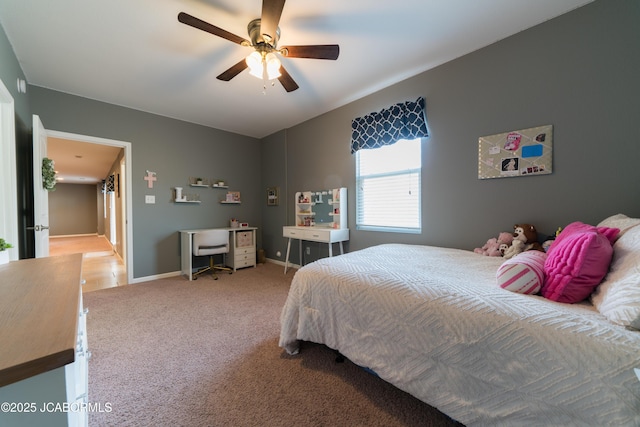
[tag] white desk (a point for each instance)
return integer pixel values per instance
(242, 248)
(314, 234)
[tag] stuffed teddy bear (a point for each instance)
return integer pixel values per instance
(495, 246)
(525, 238)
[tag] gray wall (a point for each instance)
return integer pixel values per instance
(10, 72)
(175, 150)
(274, 174)
(578, 72)
(73, 210)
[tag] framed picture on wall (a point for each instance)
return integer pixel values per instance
(272, 196)
(517, 153)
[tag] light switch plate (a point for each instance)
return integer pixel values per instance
(150, 200)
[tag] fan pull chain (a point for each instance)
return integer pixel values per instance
(264, 86)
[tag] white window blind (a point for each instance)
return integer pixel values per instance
(388, 187)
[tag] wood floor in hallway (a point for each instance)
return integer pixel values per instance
(101, 267)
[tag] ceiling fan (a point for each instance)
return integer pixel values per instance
(264, 34)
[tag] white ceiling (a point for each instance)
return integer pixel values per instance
(79, 162)
(136, 54)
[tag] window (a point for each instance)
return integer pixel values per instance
(388, 187)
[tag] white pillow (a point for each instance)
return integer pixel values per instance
(621, 221)
(618, 296)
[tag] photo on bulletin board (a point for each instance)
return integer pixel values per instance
(517, 153)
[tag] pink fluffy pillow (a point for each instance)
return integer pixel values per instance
(577, 261)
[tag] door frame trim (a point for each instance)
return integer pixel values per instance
(8, 173)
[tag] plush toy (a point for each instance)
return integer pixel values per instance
(525, 238)
(495, 246)
(547, 243)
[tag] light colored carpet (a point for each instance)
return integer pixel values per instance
(176, 353)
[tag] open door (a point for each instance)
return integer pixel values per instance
(40, 194)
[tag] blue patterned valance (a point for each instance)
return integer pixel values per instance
(406, 120)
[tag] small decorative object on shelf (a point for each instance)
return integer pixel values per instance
(304, 197)
(233, 223)
(186, 198)
(48, 175)
(219, 183)
(198, 182)
(178, 194)
(231, 198)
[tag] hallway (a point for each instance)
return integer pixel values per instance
(101, 267)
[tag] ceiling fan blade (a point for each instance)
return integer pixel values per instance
(233, 71)
(192, 21)
(287, 82)
(322, 51)
(271, 12)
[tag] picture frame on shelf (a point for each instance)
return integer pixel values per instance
(233, 196)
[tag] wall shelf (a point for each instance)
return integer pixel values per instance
(187, 201)
(224, 202)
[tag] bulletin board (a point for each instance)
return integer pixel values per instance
(517, 153)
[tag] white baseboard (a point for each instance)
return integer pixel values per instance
(156, 277)
(77, 235)
(178, 273)
(282, 263)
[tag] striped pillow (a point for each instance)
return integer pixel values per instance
(524, 273)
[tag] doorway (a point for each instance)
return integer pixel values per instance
(116, 268)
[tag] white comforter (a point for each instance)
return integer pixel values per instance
(433, 322)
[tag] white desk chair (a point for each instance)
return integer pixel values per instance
(210, 243)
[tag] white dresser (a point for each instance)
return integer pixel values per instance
(44, 355)
(242, 248)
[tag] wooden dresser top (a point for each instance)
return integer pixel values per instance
(39, 308)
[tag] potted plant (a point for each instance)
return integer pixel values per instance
(48, 175)
(4, 254)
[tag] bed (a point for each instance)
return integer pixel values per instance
(433, 322)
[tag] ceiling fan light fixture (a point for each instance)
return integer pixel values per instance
(264, 35)
(254, 62)
(273, 66)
